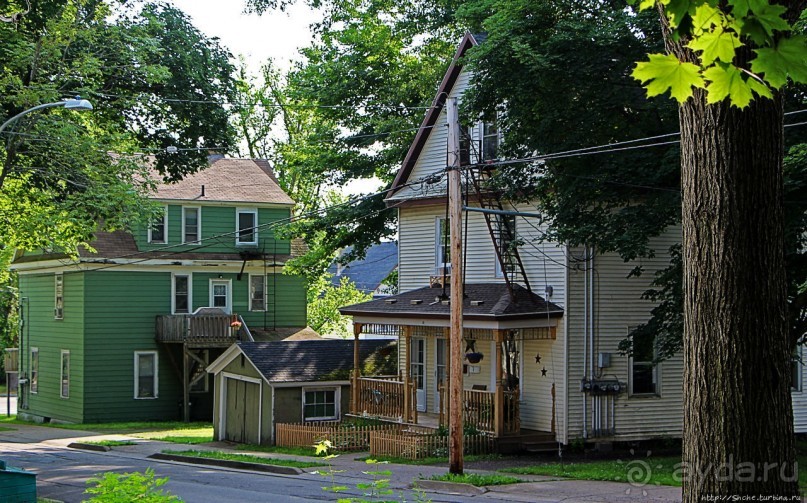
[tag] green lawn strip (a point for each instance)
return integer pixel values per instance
(661, 470)
(476, 479)
(276, 449)
(431, 460)
(2, 428)
(112, 443)
(178, 436)
(227, 456)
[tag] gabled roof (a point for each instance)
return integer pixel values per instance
(227, 180)
(302, 361)
(447, 84)
(368, 273)
(484, 301)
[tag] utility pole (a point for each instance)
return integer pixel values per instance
(455, 443)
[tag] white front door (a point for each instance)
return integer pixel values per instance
(418, 371)
(441, 373)
(220, 294)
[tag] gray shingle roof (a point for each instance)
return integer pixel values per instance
(307, 361)
(484, 301)
(368, 273)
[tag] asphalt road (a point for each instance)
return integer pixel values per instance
(62, 475)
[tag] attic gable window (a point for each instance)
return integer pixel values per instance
(246, 221)
(158, 230)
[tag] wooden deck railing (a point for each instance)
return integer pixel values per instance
(343, 436)
(479, 409)
(11, 360)
(201, 329)
(385, 398)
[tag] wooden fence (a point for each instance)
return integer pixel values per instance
(343, 436)
(419, 446)
(386, 398)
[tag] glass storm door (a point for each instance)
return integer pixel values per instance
(418, 367)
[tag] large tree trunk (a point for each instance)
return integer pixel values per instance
(738, 420)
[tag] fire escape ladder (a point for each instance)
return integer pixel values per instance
(502, 230)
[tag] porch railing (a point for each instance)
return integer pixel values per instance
(385, 398)
(479, 409)
(200, 329)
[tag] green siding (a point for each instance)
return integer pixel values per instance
(120, 315)
(220, 221)
(286, 302)
(52, 336)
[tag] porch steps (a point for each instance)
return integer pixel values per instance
(540, 447)
(528, 441)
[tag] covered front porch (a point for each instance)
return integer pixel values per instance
(495, 331)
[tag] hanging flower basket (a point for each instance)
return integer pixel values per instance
(474, 357)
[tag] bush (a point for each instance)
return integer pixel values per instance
(113, 487)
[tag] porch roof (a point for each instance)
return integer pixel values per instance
(484, 302)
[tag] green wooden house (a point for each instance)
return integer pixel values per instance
(125, 332)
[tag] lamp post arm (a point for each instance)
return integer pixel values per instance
(34, 109)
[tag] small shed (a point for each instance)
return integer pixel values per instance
(259, 384)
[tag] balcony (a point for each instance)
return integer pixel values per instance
(201, 330)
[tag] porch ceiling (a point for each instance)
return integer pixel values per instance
(486, 306)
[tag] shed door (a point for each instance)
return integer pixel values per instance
(242, 413)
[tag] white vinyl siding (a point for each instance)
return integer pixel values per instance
(146, 382)
(191, 224)
(246, 223)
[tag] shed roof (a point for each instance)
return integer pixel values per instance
(307, 360)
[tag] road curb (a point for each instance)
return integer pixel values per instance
(449, 487)
(88, 447)
(224, 463)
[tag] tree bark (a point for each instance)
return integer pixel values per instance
(738, 419)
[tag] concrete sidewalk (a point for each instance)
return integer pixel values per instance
(536, 489)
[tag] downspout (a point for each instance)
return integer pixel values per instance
(585, 342)
(592, 362)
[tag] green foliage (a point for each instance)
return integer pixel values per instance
(147, 71)
(324, 301)
(113, 487)
(478, 480)
(720, 34)
(112, 443)
(660, 470)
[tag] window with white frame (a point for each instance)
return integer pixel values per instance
(34, 370)
(145, 374)
(246, 224)
(320, 403)
(158, 230)
(465, 145)
(506, 230)
(441, 241)
(58, 301)
(191, 224)
(257, 292)
(490, 141)
(644, 372)
(181, 295)
(64, 376)
(795, 370)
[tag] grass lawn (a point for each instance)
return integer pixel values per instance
(6, 429)
(112, 443)
(477, 480)
(245, 457)
(430, 460)
(166, 431)
(296, 451)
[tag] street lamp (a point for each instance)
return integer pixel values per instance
(71, 104)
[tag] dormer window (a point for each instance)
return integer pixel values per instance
(158, 231)
(246, 221)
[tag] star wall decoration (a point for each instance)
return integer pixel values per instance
(543, 372)
(538, 358)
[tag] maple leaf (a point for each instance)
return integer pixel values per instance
(705, 17)
(770, 18)
(726, 81)
(716, 45)
(665, 72)
(740, 8)
(786, 59)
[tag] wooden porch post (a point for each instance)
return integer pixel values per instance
(186, 385)
(407, 370)
(356, 371)
(498, 397)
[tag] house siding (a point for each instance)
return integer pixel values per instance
(218, 220)
(64, 334)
